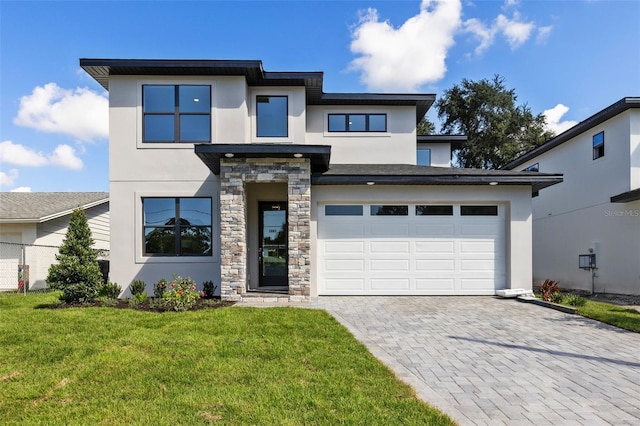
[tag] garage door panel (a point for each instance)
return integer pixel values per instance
(344, 247)
(430, 265)
(435, 285)
(390, 285)
(478, 246)
(435, 246)
(385, 247)
(479, 285)
(344, 265)
(341, 230)
(390, 265)
(435, 230)
(478, 230)
(477, 265)
(389, 229)
(345, 285)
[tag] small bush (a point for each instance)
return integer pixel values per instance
(209, 289)
(182, 294)
(556, 297)
(547, 288)
(137, 287)
(110, 290)
(575, 300)
(159, 288)
(137, 299)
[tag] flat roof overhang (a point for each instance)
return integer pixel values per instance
(211, 154)
(394, 174)
(627, 197)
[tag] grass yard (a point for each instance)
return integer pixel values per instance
(622, 317)
(233, 365)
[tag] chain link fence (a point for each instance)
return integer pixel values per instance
(24, 267)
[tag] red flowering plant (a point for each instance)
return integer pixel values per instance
(182, 294)
(159, 288)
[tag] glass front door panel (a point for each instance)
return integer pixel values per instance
(273, 244)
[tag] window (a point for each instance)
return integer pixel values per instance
(389, 210)
(479, 210)
(424, 157)
(176, 113)
(434, 210)
(343, 210)
(532, 168)
(177, 226)
(272, 116)
(357, 122)
(598, 145)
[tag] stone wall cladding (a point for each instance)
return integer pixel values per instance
(234, 174)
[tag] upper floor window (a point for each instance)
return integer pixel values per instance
(176, 113)
(177, 226)
(357, 122)
(598, 145)
(424, 157)
(272, 116)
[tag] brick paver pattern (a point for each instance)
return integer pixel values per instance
(489, 361)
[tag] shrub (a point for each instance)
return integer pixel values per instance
(110, 290)
(159, 288)
(208, 289)
(137, 299)
(77, 272)
(182, 294)
(556, 297)
(575, 300)
(137, 287)
(547, 288)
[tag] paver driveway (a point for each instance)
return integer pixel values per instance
(485, 360)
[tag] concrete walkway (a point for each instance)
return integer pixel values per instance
(488, 361)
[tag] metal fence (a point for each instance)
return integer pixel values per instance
(24, 267)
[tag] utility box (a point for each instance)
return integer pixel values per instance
(587, 261)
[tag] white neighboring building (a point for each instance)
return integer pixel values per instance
(262, 182)
(597, 207)
(34, 224)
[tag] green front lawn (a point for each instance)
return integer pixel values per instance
(234, 365)
(626, 318)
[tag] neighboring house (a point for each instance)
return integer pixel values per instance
(597, 207)
(34, 224)
(260, 181)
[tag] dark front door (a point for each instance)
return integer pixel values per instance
(273, 250)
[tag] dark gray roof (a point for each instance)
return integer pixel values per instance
(456, 141)
(596, 119)
(42, 206)
(405, 174)
(627, 197)
(101, 69)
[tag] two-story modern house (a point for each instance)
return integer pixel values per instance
(596, 210)
(262, 182)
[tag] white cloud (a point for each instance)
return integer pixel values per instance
(22, 189)
(403, 58)
(63, 156)
(8, 178)
(543, 34)
(553, 117)
(81, 113)
(514, 30)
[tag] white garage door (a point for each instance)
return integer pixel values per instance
(411, 249)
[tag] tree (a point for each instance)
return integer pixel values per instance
(77, 272)
(497, 130)
(425, 127)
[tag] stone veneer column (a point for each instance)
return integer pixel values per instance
(234, 174)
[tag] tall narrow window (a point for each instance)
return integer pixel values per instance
(177, 226)
(176, 113)
(272, 116)
(598, 145)
(424, 157)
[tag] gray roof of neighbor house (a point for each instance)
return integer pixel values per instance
(596, 119)
(405, 174)
(36, 207)
(102, 69)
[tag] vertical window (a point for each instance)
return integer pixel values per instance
(272, 116)
(598, 145)
(176, 113)
(177, 226)
(357, 122)
(424, 157)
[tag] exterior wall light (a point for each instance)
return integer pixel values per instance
(297, 155)
(493, 183)
(229, 155)
(371, 183)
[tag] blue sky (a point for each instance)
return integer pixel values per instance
(569, 58)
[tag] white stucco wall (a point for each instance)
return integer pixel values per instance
(516, 199)
(440, 153)
(571, 217)
(396, 146)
